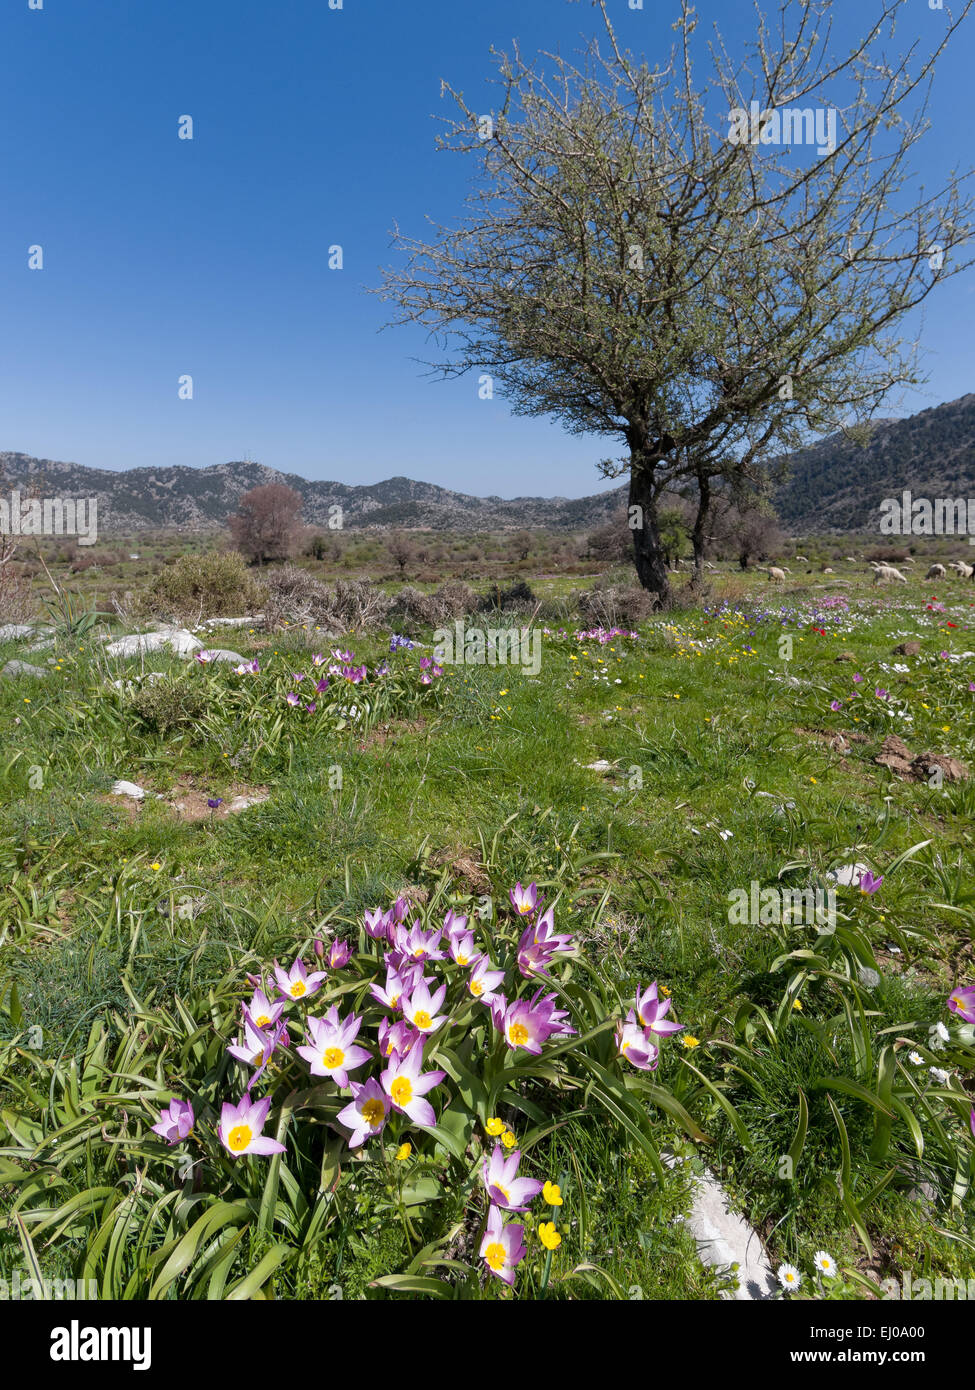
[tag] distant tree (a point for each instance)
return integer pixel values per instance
(401, 550)
(610, 542)
(521, 544)
(747, 532)
(268, 525)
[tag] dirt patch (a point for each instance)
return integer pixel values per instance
(467, 869)
(191, 804)
(895, 754)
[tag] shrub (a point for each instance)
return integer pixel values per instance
(614, 606)
(169, 704)
(216, 584)
(516, 598)
(295, 596)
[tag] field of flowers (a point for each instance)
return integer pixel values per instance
(456, 1006)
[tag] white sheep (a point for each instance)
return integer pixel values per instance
(961, 569)
(776, 575)
(936, 572)
(885, 574)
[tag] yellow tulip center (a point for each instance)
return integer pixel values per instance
(297, 989)
(239, 1137)
(402, 1091)
(333, 1057)
(494, 1255)
(263, 1021)
(476, 988)
(422, 1019)
(518, 1034)
(462, 960)
(373, 1112)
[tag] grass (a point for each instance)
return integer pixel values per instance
(727, 766)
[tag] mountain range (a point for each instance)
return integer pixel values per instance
(834, 485)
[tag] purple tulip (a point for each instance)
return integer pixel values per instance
(332, 1051)
(962, 1002)
(635, 1045)
(296, 983)
(176, 1121)
(868, 884)
(483, 981)
(529, 1023)
(396, 1037)
(406, 1086)
(539, 945)
(214, 801)
(503, 1246)
(339, 955)
(240, 1128)
(421, 1009)
(366, 1113)
(504, 1187)
(524, 900)
(650, 1011)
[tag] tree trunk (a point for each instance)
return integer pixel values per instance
(700, 528)
(648, 553)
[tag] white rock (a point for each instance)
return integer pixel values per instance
(13, 632)
(724, 1239)
(221, 654)
(848, 875)
(600, 765)
(131, 789)
(177, 639)
(235, 622)
(243, 803)
(22, 668)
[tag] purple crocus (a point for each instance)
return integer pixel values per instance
(524, 900)
(529, 1023)
(503, 1246)
(396, 1037)
(339, 955)
(835, 705)
(389, 994)
(262, 1011)
(376, 923)
(293, 698)
(366, 1113)
(504, 1187)
(483, 981)
(539, 945)
(296, 983)
(461, 946)
(406, 1085)
(868, 884)
(332, 1051)
(962, 1003)
(214, 801)
(635, 1045)
(419, 945)
(240, 1128)
(257, 1045)
(422, 1009)
(176, 1121)
(650, 1010)
(321, 686)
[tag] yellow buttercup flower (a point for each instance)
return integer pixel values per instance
(689, 1040)
(552, 1194)
(549, 1236)
(404, 1151)
(508, 1139)
(797, 1004)
(494, 1127)
(155, 867)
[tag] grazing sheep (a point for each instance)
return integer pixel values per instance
(776, 575)
(828, 569)
(885, 574)
(802, 560)
(961, 569)
(936, 572)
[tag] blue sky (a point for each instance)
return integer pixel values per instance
(209, 257)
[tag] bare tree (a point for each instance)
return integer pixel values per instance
(638, 269)
(401, 549)
(268, 525)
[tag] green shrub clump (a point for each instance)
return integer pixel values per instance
(212, 585)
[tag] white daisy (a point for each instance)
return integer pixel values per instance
(916, 1058)
(789, 1277)
(942, 1077)
(825, 1264)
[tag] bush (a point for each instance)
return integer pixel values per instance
(295, 596)
(214, 585)
(168, 704)
(517, 598)
(413, 610)
(614, 606)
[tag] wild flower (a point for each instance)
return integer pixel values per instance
(529, 1023)
(789, 1277)
(296, 983)
(339, 955)
(868, 885)
(241, 1128)
(461, 946)
(483, 981)
(503, 1246)
(504, 1187)
(635, 1046)
(650, 1010)
(176, 1121)
(524, 900)
(406, 1085)
(825, 1264)
(962, 1002)
(332, 1050)
(366, 1113)
(422, 1009)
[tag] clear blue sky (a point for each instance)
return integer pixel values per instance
(312, 127)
